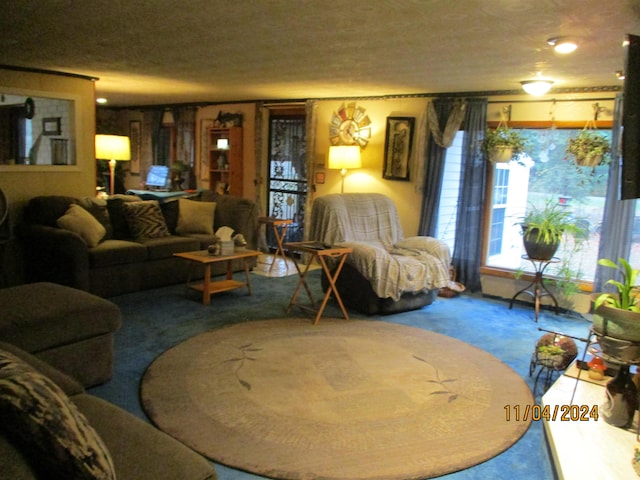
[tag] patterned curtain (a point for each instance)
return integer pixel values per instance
(617, 225)
(467, 251)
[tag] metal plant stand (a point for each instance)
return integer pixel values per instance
(537, 289)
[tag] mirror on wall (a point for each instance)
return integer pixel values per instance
(36, 131)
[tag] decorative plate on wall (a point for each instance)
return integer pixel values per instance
(350, 125)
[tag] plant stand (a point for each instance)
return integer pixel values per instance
(537, 289)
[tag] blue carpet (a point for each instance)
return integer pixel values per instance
(155, 320)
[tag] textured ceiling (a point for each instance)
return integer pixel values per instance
(168, 51)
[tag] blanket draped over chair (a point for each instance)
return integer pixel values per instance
(369, 223)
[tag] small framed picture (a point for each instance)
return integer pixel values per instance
(320, 177)
(51, 126)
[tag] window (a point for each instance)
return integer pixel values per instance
(547, 175)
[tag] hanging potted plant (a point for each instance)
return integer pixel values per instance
(543, 228)
(616, 316)
(589, 148)
(503, 144)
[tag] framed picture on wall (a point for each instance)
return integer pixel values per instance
(51, 126)
(397, 148)
(135, 135)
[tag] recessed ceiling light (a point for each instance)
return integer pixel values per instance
(536, 87)
(563, 45)
(101, 100)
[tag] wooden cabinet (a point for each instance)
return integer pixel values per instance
(225, 160)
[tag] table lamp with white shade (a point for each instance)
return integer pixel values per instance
(113, 148)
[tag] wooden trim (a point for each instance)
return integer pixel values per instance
(549, 124)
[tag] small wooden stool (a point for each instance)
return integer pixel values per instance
(279, 227)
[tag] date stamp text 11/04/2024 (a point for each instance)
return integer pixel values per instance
(564, 413)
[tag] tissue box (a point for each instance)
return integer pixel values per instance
(227, 248)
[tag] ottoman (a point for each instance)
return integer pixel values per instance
(68, 328)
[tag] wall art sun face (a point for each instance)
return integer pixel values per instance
(350, 125)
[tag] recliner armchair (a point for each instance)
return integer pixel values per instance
(386, 273)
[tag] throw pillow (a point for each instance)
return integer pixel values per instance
(195, 217)
(80, 221)
(145, 219)
(98, 208)
(40, 418)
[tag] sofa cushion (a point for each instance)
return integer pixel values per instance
(39, 417)
(98, 208)
(41, 316)
(116, 252)
(195, 217)
(165, 247)
(80, 221)
(145, 219)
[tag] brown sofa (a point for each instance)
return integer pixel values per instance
(136, 450)
(120, 263)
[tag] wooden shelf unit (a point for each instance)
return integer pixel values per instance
(225, 164)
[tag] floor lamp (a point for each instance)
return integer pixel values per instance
(344, 157)
(113, 148)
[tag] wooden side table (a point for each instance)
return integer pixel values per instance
(320, 252)
(279, 227)
(539, 289)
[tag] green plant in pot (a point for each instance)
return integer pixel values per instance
(550, 356)
(589, 149)
(503, 144)
(616, 316)
(543, 229)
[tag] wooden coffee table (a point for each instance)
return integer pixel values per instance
(209, 287)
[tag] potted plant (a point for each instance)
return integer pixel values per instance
(503, 144)
(555, 351)
(589, 148)
(551, 356)
(543, 228)
(616, 316)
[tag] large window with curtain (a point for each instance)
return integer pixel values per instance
(544, 175)
(547, 175)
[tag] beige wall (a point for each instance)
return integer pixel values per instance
(21, 182)
(405, 194)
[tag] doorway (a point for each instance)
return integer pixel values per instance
(287, 172)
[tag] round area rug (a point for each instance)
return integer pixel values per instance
(342, 399)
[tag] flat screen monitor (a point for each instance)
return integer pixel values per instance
(157, 176)
(630, 176)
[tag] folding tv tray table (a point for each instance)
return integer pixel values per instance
(320, 252)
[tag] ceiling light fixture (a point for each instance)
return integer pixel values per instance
(101, 100)
(563, 45)
(536, 87)
(620, 75)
